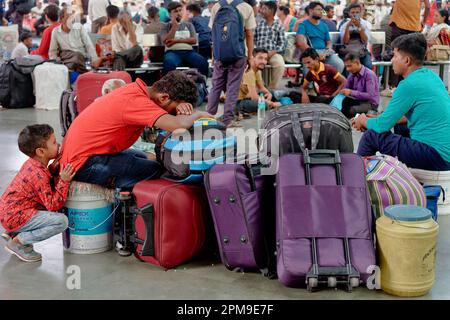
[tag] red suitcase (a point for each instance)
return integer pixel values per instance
(170, 228)
(89, 85)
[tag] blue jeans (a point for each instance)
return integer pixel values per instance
(41, 226)
(411, 152)
(119, 170)
(177, 58)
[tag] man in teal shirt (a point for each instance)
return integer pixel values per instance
(422, 101)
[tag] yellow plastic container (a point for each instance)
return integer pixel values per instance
(406, 244)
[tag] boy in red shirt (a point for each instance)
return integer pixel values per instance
(26, 204)
(329, 80)
(51, 15)
(98, 141)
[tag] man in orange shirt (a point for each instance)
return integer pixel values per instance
(112, 12)
(97, 141)
(406, 17)
(51, 13)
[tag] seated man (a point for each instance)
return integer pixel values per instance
(201, 27)
(316, 32)
(124, 40)
(361, 88)
(23, 47)
(179, 37)
(269, 34)
(51, 15)
(252, 84)
(421, 99)
(355, 35)
(99, 153)
(330, 81)
(72, 45)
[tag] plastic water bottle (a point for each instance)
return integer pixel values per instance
(261, 110)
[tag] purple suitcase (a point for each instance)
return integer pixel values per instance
(235, 196)
(324, 220)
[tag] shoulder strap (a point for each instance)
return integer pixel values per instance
(235, 3)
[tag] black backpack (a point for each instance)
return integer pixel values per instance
(17, 86)
(5, 92)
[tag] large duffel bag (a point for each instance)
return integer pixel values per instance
(20, 87)
(323, 127)
(323, 220)
(390, 182)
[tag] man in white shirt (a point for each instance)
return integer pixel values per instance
(72, 45)
(97, 13)
(355, 35)
(125, 38)
(23, 47)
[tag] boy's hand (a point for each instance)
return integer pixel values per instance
(67, 173)
(346, 92)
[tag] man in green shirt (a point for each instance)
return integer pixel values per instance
(421, 101)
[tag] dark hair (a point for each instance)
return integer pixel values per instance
(310, 52)
(328, 8)
(152, 12)
(52, 12)
(284, 9)
(112, 11)
(24, 36)
(173, 6)
(259, 50)
(353, 6)
(194, 7)
(314, 4)
(445, 15)
(272, 5)
(33, 137)
(352, 57)
(414, 45)
(178, 86)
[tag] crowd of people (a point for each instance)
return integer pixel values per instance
(419, 108)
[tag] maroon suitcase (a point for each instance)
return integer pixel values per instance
(170, 223)
(89, 85)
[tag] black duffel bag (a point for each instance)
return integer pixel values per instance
(21, 83)
(305, 126)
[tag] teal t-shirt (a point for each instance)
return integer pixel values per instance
(425, 102)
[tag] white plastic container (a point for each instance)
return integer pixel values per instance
(89, 209)
(441, 178)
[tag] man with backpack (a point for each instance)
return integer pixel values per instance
(232, 23)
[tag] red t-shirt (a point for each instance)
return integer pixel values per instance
(29, 192)
(45, 41)
(110, 124)
(326, 78)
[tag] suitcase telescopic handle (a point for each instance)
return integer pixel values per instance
(322, 157)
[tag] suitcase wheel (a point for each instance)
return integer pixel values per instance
(354, 282)
(332, 282)
(312, 283)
